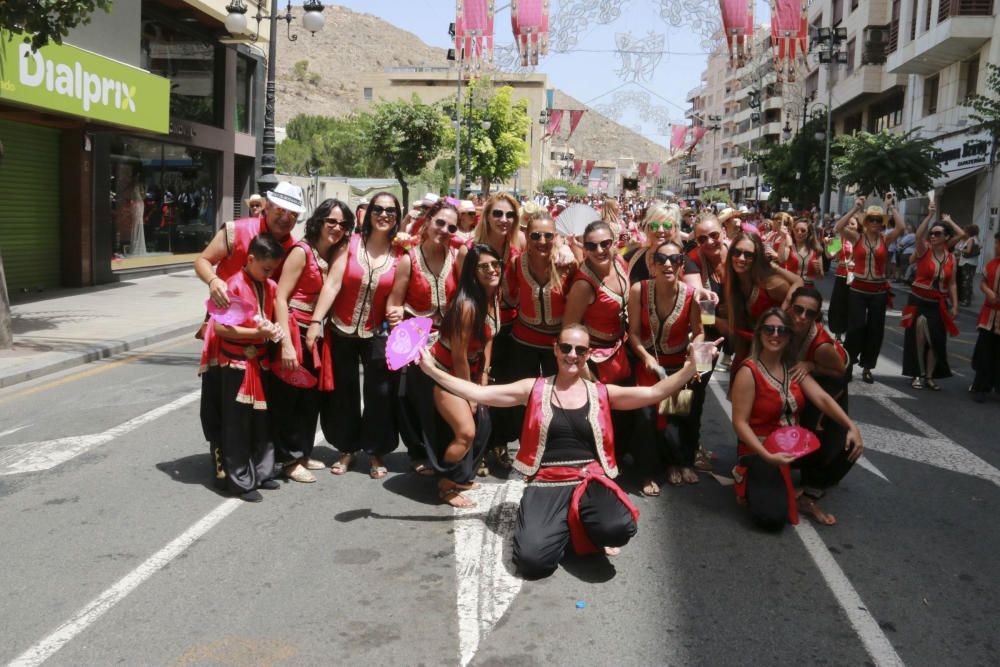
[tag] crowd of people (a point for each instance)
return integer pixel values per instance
(592, 349)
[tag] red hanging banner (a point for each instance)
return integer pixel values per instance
(696, 134)
(474, 32)
(589, 167)
(530, 20)
(574, 120)
(642, 170)
(577, 166)
(789, 35)
(737, 21)
(656, 171)
(677, 133)
(555, 122)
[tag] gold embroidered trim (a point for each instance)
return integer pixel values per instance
(230, 237)
(654, 318)
(302, 305)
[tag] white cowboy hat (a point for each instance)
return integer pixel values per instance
(288, 197)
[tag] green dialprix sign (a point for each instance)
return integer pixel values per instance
(72, 81)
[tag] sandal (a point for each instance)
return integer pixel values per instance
(453, 496)
(674, 476)
(502, 456)
(342, 465)
(703, 460)
(651, 489)
(483, 470)
(810, 507)
(298, 473)
(422, 469)
(312, 464)
(376, 470)
(931, 384)
(689, 476)
(471, 486)
(917, 383)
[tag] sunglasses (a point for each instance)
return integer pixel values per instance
(936, 232)
(252, 206)
(592, 246)
(876, 220)
(497, 214)
(736, 253)
(715, 236)
(343, 224)
(779, 330)
(537, 236)
(441, 223)
(662, 258)
(380, 210)
(490, 267)
(660, 226)
(802, 310)
(580, 350)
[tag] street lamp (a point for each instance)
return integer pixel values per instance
(236, 24)
(828, 41)
(755, 104)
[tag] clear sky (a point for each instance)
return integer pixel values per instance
(590, 72)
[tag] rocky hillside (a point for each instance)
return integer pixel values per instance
(354, 44)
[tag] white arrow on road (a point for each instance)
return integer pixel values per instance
(486, 580)
(46, 454)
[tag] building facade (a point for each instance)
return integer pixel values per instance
(127, 146)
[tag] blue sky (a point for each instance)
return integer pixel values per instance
(589, 73)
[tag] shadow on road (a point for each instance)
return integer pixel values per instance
(193, 469)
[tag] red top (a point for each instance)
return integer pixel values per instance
(239, 234)
(758, 303)
(359, 308)
(989, 316)
(538, 416)
(441, 350)
(428, 295)
(803, 266)
(870, 262)
(604, 317)
(306, 291)
(844, 256)
(775, 404)
(539, 306)
(817, 337)
(933, 277)
(669, 343)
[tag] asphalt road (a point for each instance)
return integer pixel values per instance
(116, 550)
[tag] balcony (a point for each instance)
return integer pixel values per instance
(695, 92)
(963, 27)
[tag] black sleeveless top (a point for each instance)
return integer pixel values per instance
(570, 437)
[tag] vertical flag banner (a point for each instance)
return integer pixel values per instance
(530, 20)
(656, 171)
(589, 167)
(696, 135)
(577, 166)
(642, 170)
(677, 134)
(555, 122)
(789, 34)
(574, 120)
(474, 31)
(737, 21)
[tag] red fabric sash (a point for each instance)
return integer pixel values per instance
(592, 472)
(910, 315)
(322, 354)
(252, 389)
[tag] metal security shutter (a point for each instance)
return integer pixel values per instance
(29, 206)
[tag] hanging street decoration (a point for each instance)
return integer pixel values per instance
(575, 115)
(474, 32)
(789, 36)
(737, 21)
(530, 21)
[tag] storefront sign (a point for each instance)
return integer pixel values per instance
(959, 155)
(68, 80)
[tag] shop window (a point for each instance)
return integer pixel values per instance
(245, 71)
(931, 94)
(190, 61)
(162, 199)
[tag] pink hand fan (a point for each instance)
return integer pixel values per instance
(406, 341)
(297, 377)
(232, 315)
(793, 440)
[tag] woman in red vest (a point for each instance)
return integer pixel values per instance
(986, 356)
(837, 315)
(805, 254)
(868, 297)
(358, 289)
(931, 310)
(567, 453)
(818, 354)
(766, 396)
(295, 410)
(431, 272)
(453, 431)
(663, 317)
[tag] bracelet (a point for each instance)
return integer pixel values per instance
(213, 280)
(319, 322)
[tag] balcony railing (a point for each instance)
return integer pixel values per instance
(951, 8)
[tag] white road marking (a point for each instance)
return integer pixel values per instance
(867, 628)
(86, 616)
(46, 454)
(486, 581)
(13, 430)
(868, 465)
(877, 645)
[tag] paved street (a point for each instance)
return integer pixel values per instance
(117, 550)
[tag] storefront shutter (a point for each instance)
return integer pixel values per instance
(29, 206)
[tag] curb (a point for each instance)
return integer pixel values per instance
(95, 352)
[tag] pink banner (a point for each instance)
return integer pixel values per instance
(789, 34)
(474, 31)
(555, 122)
(677, 133)
(642, 170)
(577, 166)
(589, 167)
(656, 170)
(574, 119)
(737, 21)
(697, 134)
(530, 21)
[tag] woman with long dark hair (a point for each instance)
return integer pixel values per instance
(986, 356)
(767, 396)
(295, 410)
(845, 264)
(805, 254)
(933, 304)
(454, 431)
(359, 291)
(967, 253)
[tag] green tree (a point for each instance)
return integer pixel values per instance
(299, 70)
(794, 170)
(329, 146)
(405, 136)
(709, 196)
(572, 189)
(48, 20)
(986, 112)
(886, 162)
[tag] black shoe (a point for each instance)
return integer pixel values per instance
(979, 397)
(269, 485)
(866, 376)
(252, 496)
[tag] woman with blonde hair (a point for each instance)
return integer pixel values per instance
(660, 224)
(805, 253)
(611, 214)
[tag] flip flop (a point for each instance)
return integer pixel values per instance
(650, 489)
(455, 494)
(342, 466)
(378, 472)
(422, 469)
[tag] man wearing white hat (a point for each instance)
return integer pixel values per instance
(226, 254)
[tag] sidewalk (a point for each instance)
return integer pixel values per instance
(70, 327)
